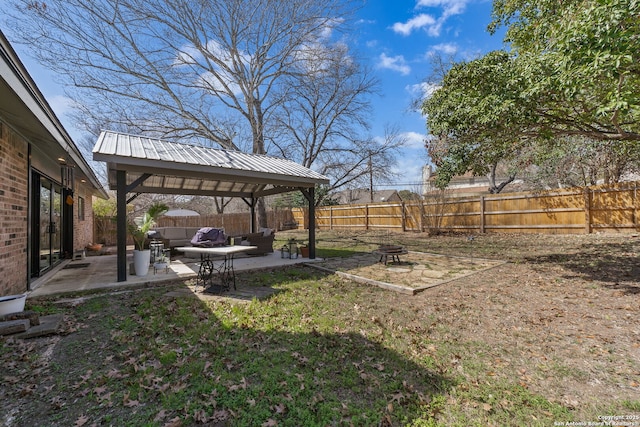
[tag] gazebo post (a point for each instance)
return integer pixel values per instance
(121, 213)
(312, 223)
(310, 195)
(252, 226)
(252, 207)
(243, 175)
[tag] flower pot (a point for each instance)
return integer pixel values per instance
(141, 261)
(12, 304)
(94, 247)
(304, 251)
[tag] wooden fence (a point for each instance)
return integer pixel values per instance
(233, 224)
(572, 211)
(579, 210)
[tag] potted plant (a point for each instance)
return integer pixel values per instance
(138, 228)
(304, 251)
(161, 262)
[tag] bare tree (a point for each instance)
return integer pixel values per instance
(323, 119)
(202, 70)
(578, 161)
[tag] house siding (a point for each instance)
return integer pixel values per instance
(14, 202)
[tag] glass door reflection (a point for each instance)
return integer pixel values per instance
(50, 220)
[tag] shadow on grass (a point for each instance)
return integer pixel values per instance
(614, 264)
(145, 358)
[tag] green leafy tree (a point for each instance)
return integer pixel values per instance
(579, 161)
(104, 208)
(581, 63)
(573, 74)
(478, 120)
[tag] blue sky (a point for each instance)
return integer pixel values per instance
(396, 39)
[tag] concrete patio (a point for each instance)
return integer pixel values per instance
(94, 273)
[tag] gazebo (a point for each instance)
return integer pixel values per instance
(137, 164)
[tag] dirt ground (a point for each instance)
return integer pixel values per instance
(562, 314)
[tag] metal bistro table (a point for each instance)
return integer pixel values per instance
(216, 260)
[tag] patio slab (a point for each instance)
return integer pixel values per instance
(100, 273)
(417, 272)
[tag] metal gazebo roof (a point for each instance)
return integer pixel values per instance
(174, 168)
(137, 164)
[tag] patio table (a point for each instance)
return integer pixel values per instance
(216, 260)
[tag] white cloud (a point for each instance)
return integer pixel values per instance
(449, 7)
(427, 22)
(372, 43)
(395, 63)
(316, 57)
(409, 168)
(411, 139)
(188, 55)
(414, 139)
(417, 22)
(366, 21)
(218, 83)
(446, 48)
(216, 79)
(422, 90)
(326, 30)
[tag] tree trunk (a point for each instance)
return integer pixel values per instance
(261, 212)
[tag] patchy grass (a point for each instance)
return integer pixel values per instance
(550, 337)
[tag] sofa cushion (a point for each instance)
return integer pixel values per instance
(265, 231)
(172, 233)
(191, 231)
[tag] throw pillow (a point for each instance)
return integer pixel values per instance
(265, 231)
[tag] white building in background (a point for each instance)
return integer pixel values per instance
(465, 185)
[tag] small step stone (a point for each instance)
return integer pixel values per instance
(48, 326)
(33, 317)
(9, 327)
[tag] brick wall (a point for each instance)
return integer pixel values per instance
(14, 200)
(82, 228)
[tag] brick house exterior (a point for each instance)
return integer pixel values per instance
(14, 196)
(46, 186)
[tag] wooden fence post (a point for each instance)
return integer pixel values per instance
(634, 215)
(422, 216)
(587, 210)
(330, 217)
(366, 217)
(404, 217)
(482, 229)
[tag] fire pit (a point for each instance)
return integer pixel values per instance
(384, 251)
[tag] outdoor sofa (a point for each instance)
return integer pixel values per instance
(173, 237)
(262, 239)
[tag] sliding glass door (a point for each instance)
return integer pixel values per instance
(46, 224)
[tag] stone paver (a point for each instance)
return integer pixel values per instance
(415, 272)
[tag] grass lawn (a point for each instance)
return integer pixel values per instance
(552, 336)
